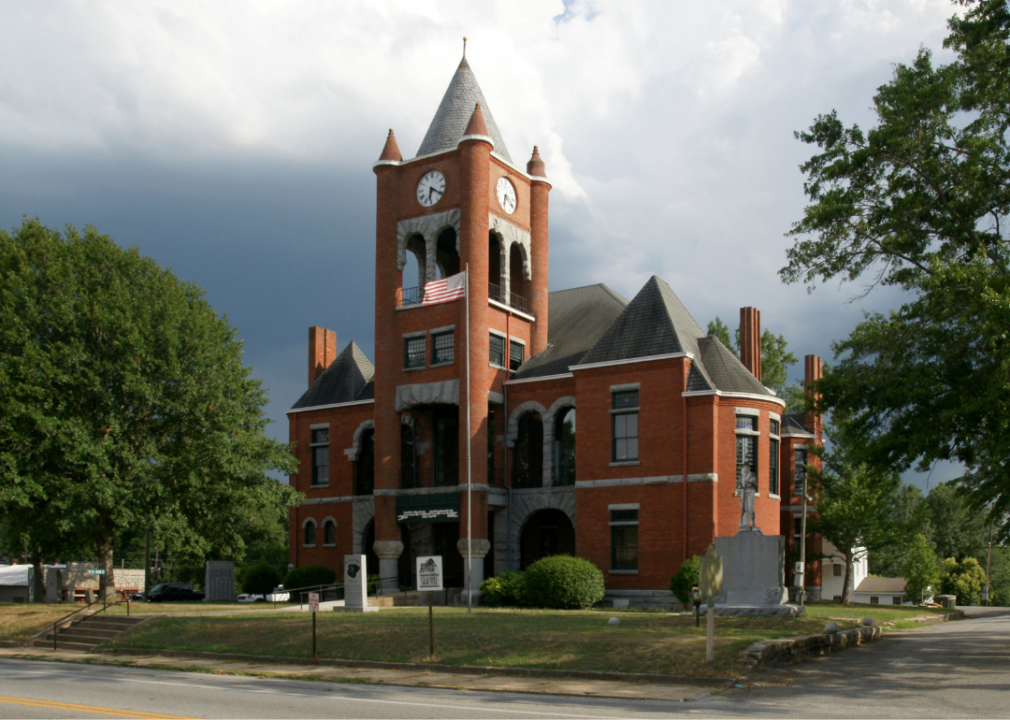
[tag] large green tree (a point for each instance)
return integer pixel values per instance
(911, 513)
(123, 396)
(921, 201)
(856, 503)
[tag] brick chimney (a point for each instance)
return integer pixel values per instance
(322, 351)
(750, 340)
(813, 370)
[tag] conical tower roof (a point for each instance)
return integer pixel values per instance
(453, 114)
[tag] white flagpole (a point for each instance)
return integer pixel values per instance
(469, 443)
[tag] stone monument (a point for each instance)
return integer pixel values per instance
(753, 564)
(356, 585)
(219, 581)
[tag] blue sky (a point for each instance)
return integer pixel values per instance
(233, 142)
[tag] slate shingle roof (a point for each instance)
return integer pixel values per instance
(454, 112)
(348, 378)
(576, 320)
(594, 324)
(793, 423)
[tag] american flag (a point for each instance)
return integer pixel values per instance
(445, 290)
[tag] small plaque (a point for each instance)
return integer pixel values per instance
(429, 573)
(710, 574)
(313, 602)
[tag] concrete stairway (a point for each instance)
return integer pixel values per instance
(90, 632)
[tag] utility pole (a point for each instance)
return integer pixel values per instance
(147, 559)
(802, 569)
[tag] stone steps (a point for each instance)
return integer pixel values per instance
(88, 633)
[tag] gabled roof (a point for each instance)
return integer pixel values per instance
(655, 322)
(453, 114)
(346, 379)
(577, 318)
(881, 585)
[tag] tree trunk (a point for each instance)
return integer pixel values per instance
(847, 582)
(38, 590)
(108, 584)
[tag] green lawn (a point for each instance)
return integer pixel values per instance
(573, 640)
(19, 622)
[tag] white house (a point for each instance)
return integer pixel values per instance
(833, 572)
(881, 591)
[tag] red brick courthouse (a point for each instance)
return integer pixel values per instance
(667, 417)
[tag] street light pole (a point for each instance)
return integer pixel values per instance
(802, 592)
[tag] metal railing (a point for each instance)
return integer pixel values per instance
(495, 292)
(69, 618)
(412, 296)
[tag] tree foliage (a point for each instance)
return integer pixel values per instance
(911, 513)
(687, 577)
(920, 570)
(122, 397)
(963, 579)
(922, 202)
(856, 503)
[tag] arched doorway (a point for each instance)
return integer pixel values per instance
(547, 532)
(368, 549)
(365, 471)
(564, 447)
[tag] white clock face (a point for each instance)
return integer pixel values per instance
(430, 188)
(506, 195)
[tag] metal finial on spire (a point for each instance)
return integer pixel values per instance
(464, 46)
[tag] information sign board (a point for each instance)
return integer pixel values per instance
(429, 573)
(313, 602)
(710, 574)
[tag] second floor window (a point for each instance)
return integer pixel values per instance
(497, 350)
(746, 447)
(516, 355)
(625, 426)
(773, 459)
(799, 470)
(414, 352)
(442, 348)
(320, 450)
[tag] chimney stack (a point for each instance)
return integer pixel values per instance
(322, 351)
(813, 370)
(750, 340)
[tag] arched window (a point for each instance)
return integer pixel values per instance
(518, 285)
(528, 455)
(365, 482)
(446, 256)
(414, 271)
(329, 533)
(494, 290)
(310, 532)
(564, 447)
(408, 458)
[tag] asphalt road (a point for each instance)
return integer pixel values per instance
(959, 669)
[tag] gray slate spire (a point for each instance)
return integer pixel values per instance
(454, 113)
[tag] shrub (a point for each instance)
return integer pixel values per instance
(309, 576)
(685, 579)
(260, 579)
(506, 588)
(563, 581)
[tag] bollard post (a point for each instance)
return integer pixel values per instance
(710, 640)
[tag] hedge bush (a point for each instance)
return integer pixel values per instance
(309, 576)
(563, 581)
(508, 588)
(685, 579)
(260, 579)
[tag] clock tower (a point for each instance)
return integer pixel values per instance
(459, 206)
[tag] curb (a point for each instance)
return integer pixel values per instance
(796, 649)
(432, 667)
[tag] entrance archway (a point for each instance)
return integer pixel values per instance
(547, 532)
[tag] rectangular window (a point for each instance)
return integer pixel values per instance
(799, 470)
(624, 539)
(837, 598)
(320, 451)
(414, 352)
(874, 600)
(837, 570)
(625, 426)
(442, 348)
(490, 448)
(497, 350)
(797, 526)
(746, 448)
(896, 600)
(516, 354)
(773, 459)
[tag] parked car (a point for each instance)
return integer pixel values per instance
(279, 595)
(247, 597)
(173, 592)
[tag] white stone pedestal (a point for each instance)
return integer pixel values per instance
(389, 552)
(356, 585)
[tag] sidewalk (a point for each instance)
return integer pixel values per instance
(381, 676)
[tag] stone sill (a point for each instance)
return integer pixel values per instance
(622, 572)
(626, 463)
